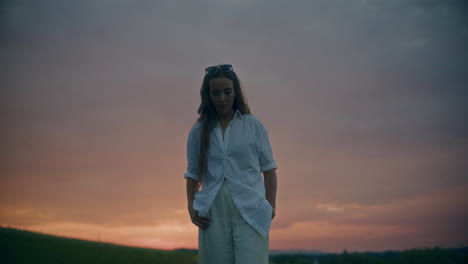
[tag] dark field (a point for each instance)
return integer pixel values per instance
(19, 246)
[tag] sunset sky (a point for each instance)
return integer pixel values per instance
(365, 103)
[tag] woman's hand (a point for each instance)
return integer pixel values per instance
(273, 209)
(270, 180)
(201, 222)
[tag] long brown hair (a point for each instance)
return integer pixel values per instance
(208, 114)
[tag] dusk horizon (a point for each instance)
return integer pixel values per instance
(273, 251)
(364, 102)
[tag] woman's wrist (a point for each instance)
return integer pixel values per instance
(273, 204)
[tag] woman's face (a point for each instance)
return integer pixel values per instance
(222, 94)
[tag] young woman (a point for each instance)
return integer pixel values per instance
(227, 150)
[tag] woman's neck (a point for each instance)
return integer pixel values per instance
(227, 117)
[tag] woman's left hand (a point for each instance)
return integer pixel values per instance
(273, 213)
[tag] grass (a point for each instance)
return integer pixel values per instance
(20, 246)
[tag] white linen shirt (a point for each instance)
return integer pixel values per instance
(238, 159)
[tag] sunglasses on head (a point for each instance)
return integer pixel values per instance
(222, 68)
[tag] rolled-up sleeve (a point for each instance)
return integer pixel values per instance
(193, 150)
(265, 153)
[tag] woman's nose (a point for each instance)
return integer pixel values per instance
(222, 98)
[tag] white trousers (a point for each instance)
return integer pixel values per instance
(230, 239)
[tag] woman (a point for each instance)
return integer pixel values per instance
(227, 150)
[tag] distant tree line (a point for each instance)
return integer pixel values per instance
(434, 255)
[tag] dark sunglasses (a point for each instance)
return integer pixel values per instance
(222, 67)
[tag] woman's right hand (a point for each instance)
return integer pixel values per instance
(201, 222)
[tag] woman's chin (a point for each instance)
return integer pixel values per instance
(224, 111)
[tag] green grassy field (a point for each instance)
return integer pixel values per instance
(19, 246)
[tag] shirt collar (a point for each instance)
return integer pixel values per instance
(238, 114)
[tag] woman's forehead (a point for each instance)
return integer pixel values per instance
(220, 83)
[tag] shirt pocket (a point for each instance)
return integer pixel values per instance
(245, 162)
(243, 150)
